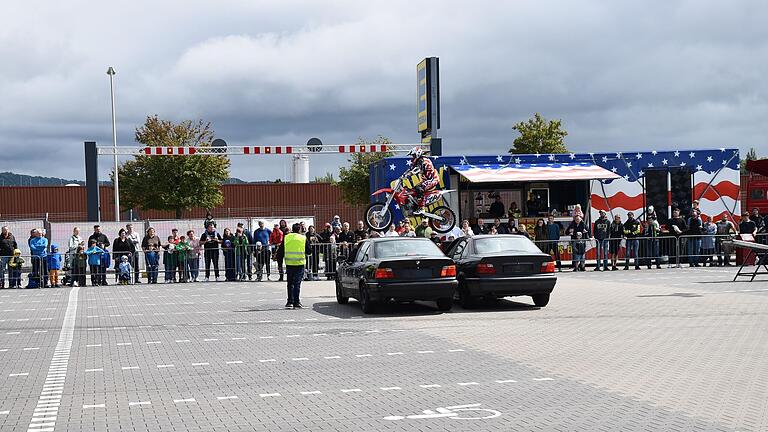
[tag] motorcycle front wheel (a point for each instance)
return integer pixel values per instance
(377, 217)
(446, 222)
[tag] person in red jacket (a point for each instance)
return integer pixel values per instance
(276, 241)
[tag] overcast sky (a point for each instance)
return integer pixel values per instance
(621, 75)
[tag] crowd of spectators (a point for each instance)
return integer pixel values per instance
(259, 254)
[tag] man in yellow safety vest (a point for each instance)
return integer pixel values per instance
(296, 249)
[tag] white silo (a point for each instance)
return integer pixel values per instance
(300, 168)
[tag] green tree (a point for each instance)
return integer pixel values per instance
(173, 183)
(539, 135)
(354, 180)
(751, 155)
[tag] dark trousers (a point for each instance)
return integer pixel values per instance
(14, 278)
(294, 276)
(193, 264)
(135, 264)
(40, 270)
(552, 249)
(211, 256)
(96, 275)
(263, 260)
(152, 272)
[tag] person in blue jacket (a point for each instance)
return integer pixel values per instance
(38, 247)
(94, 254)
(263, 254)
(53, 261)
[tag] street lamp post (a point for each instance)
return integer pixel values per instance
(111, 72)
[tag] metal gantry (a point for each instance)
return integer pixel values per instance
(257, 150)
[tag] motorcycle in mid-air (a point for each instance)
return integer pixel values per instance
(379, 215)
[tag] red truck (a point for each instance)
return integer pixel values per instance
(757, 185)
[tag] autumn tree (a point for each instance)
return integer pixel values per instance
(354, 180)
(173, 183)
(539, 135)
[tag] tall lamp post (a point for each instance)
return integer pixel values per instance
(111, 72)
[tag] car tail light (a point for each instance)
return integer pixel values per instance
(485, 269)
(384, 273)
(548, 267)
(448, 271)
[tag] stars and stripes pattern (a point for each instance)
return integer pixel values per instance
(714, 172)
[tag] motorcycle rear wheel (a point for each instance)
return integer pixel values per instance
(448, 220)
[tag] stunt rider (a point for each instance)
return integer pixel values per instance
(420, 164)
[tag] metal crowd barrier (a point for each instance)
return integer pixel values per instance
(266, 263)
(669, 251)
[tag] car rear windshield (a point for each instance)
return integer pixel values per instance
(404, 247)
(509, 243)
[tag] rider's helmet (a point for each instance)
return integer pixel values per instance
(416, 153)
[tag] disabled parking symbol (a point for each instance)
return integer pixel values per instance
(456, 412)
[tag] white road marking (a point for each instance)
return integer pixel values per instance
(543, 379)
(140, 403)
(430, 385)
(31, 349)
(390, 388)
(235, 362)
(153, 342)
(468, 383)
(293, 336)
(93, 345)
(266, 337)
(4, 412)
(124, 343)
(182, 340)
(94, 406)
(200, 364)
(269, 394)
(455, 350)
(319, 334)
(305, 393)
(184, 400)
(505, 381)
(226, 397)
(18, 374)
(95, 370)
(332, 357)
(425, 352)
(267, 360)
(363, 355)
(394, 353)
(130, 367)
(350, 390)
(299, 358)
(238, 338)
(165, 366)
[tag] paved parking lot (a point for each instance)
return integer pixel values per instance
(629, 350)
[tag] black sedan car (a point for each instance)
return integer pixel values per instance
(396, 269)
(495, 266)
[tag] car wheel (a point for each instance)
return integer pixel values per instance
(465, 300)
(444, 304)
(365, 300)
(540, 300)
(340, 298)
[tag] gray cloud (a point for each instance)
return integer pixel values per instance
(658, 74)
